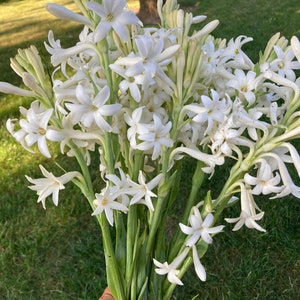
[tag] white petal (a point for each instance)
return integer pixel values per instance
(186, 229)
(110, 109)
(208, 220)
(232, 220)
(101, 31)
(206, 237)
(135, 92)
(194, 238)
(109, 216)
(296, 47)
(62, 12)
(8, 88)
(250, 179)
(200, 271)
(238, 225)
(295, 156)
(180, 258)
(169, 52)
(172, 277)
(215, 229)
(158, 264)
(42, 145)
(121, 30)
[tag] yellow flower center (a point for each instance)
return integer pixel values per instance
(281, 65)
(93, 108)
(244, 89)
(42, 131)
(109, 17)
(104, 202)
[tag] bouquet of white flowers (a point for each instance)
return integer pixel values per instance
(140, 100)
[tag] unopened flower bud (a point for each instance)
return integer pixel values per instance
(296, 47)
(8, 88)
(207, 29)
(63, 13)
(198, 19)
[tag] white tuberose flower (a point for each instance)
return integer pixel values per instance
(50, 185)
(90, 110)
(171, 269)
(156, 137)
(142, 192)
(248, 214)
(106, 201)
(265, 183)
(113, 15)
(199, 228)
(35, 128)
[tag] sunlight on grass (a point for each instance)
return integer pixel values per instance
(29, 20)
(16, 28)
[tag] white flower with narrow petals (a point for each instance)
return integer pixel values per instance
(35, 129)
(136, 127)
(284, 64)
(113, 16)
(60, 55)
(214, 110)
(199, 228)
(249, 119)
(128, 83)
(156, 138)
(227, 136)
(171, 269)
(210, 160)
(121, 184)
(147, 65)
(248, 214)
(246, 219)
(265, 182)
(234, 57)
(93, 110)
(106, 202)
(142, 191)
(289, 186)
(50, 185)
(245, 85)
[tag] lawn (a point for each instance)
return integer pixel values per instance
(57, 253)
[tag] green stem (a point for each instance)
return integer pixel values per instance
(159, 211)
(85, 171)
(197, 181)
(113, 274)
(132, 225)
(112, 269)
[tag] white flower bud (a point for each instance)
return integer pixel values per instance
(198, 19)
(8, 88)
(63, 13)
(296, 47)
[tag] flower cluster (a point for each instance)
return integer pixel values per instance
(140, 100)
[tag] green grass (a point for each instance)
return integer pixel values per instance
(57, 253)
